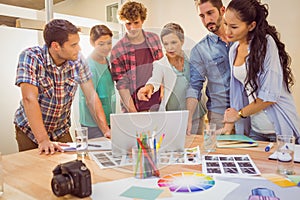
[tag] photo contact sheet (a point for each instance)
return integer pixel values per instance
(229, 164)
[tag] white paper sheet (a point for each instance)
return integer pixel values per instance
(112, 190)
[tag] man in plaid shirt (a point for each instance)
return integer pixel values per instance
(48, 77)
(132, 58)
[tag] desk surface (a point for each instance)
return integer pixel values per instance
(28, 175)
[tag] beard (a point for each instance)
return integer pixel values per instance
(214, 27)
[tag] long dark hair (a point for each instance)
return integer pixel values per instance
(249, 11)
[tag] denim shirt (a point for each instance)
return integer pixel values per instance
(209, 61)
(283, 113)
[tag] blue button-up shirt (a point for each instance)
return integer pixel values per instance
(209, 61)
(283, 113)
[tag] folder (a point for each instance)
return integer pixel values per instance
(235, 141)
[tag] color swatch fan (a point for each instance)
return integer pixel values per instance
(186, 182)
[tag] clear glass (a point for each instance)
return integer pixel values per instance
(81, 136)
(145, 162)
(285, 154)
(210, 138)
(1, 177)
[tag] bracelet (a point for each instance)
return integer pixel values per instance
(241, 114)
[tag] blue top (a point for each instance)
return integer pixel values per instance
(283, 113)
(209, 61)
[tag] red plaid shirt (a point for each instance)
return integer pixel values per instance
(123, 60)
(56, 86)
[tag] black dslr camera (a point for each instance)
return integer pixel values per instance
(72, 178)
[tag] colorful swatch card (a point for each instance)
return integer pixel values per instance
(279, 180)
(186, 182)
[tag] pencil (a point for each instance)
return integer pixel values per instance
(156, 171)
(154, 146)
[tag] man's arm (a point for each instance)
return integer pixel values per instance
(191, 104)
(127, 100)
(34, 116)
(95, 106)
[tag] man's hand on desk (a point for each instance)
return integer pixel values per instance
(50, 147)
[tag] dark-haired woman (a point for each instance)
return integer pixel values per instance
(260, 89)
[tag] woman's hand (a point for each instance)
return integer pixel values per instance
(231, 115)
(145, 93)
(107, 134)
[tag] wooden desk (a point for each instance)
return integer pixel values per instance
(28, 175)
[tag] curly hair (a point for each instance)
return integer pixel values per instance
(249, 11)
(132, 10)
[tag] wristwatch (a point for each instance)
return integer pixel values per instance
(241, 114)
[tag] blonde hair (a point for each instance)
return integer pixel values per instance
(172, 28)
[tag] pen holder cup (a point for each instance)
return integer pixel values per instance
(144, 162)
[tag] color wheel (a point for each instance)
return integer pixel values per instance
(186, 182)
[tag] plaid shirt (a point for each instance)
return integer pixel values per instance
(123, 61)
(56, 87)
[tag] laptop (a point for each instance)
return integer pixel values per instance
(125, 127)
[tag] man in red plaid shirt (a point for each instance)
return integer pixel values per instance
(132, 58)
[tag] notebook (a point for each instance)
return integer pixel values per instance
(235, 141)
(126, 126)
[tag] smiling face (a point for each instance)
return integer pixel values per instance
(102, 45)
(173, 45)
(236, 29)
(210, 16)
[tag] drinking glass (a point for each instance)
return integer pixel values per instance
(285, 154)
(210, 138)
(81, 135)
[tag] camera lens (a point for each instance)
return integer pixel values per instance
(62, 184)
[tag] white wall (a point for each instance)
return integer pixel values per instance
(12, 43)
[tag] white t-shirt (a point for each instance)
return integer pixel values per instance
(259, 121)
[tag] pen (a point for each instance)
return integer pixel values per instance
(268, 147)
(94, 145)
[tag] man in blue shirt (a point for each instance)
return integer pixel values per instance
(209, 62)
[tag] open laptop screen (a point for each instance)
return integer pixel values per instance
(126, 126)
